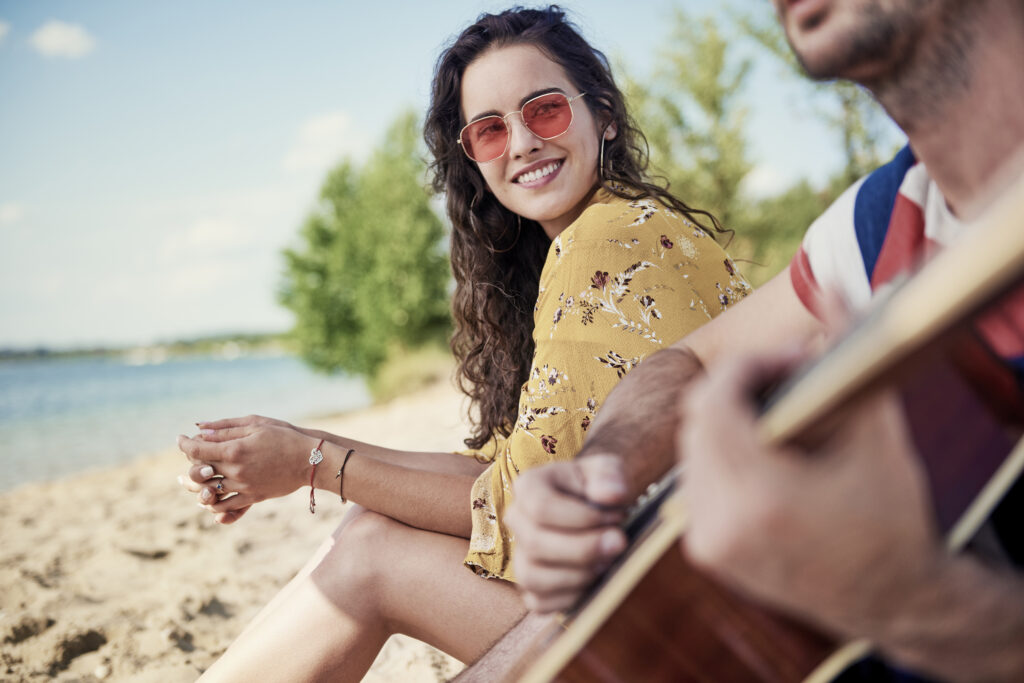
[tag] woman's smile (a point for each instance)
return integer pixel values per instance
(538, 174)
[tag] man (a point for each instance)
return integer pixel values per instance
(949, 73)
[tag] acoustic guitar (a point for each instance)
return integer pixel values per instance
(653, 617)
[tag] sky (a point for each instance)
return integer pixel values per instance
(155, 158)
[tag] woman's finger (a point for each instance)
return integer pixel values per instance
(225, 423)
(230, 517)
(217, 489)
(228, 423)
(201, 472)
(187, 483)
(231, 503)
(214, 435)
(200, 451)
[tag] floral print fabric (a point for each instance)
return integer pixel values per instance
(626, 279)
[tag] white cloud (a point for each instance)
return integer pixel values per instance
(764, 181)
(60, 39)
(11, 213)
(205, 237)
(322, 141)
(5, 28)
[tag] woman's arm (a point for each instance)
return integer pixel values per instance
(233, 428)
(267, 458)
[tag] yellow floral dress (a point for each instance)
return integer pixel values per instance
(624, 280)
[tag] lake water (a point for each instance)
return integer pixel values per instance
(62, 416)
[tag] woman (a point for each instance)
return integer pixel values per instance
(570, 267)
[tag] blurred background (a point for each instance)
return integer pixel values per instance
(210, 209)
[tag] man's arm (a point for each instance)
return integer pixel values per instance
(565, 515)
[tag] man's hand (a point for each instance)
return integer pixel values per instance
(565, 519)
(841, 536)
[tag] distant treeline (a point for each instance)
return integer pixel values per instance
(248, 342)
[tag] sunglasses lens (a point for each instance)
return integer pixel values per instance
(485, 139)
(548, 116)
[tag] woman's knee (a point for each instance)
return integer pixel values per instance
(358, 557)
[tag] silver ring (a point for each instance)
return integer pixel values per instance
(220, 486)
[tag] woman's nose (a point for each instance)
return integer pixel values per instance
(522, 140)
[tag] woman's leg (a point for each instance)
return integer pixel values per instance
(378, 577)
(285, 593)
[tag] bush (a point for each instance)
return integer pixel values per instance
(371, 273)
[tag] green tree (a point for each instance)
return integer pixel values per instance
(370, 275)
(773, 227)
(693, 118)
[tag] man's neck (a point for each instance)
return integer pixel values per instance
(962, 107)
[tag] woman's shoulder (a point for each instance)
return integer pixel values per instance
(611, 222)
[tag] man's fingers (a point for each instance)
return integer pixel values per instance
(572, 495)
(558, 511)
(544, 580)
(595, 478)
(587, 548)
(548, 589)
(727, 393)
(551, 602)
(604, 481)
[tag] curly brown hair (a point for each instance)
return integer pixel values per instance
(496, 255)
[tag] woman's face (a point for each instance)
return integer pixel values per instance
(549, 181)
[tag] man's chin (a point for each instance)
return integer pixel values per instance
(824, 56)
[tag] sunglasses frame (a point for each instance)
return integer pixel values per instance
(508, 129)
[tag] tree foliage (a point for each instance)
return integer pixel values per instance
(692, 116)
(370, 273)
(770, 229)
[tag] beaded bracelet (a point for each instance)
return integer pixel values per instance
(316, 456)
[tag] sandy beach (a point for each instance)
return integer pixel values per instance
(117, 575)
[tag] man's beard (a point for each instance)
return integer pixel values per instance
(876, 39)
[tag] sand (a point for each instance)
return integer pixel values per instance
(118, 575)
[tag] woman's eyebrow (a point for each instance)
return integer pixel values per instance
(524, 100)
(538, 93)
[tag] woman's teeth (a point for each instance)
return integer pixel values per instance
(539, 173)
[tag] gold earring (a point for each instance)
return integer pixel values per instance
(600, 158)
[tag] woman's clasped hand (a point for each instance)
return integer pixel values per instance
(240, 461)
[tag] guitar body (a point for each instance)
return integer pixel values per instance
(678, 626)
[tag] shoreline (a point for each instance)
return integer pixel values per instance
(114, 574)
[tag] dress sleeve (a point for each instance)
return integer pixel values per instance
(611, 296)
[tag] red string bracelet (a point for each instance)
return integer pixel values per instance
(315, 458)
